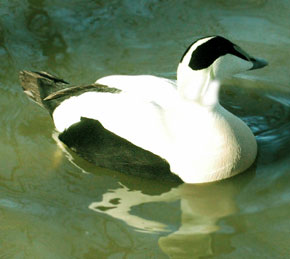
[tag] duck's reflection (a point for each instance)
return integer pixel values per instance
(201, 207)
(119, 202)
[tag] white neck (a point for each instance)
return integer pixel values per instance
(198, 86)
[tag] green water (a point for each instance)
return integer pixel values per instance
(53, 208)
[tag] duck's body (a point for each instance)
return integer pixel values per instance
(207, 140)
(180, 121)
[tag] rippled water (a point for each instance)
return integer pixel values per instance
(52, 208)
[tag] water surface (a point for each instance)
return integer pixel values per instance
(52, 208)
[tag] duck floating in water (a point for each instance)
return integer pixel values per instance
(181, 122)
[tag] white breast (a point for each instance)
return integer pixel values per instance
(213, 146)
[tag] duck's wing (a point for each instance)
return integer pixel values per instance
(80, 89)
(89, 139)
(49, 91)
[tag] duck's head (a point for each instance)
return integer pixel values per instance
(211, 58)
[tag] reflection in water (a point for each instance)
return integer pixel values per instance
(119, 202)
(201, 207)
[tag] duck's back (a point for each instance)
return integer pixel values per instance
(159, 90)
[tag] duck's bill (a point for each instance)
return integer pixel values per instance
(258, 63)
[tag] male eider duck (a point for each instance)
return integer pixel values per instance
(178, 122)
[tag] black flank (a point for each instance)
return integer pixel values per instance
(89, 139)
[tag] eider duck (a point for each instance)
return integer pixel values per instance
(177, 126)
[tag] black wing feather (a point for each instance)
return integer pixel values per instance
(93, 142)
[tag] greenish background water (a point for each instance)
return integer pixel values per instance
(52, 208)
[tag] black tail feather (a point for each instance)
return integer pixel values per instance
(39, 85)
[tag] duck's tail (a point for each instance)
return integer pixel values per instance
(38, 85)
